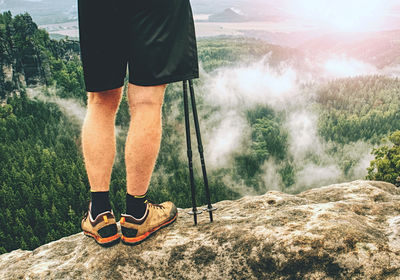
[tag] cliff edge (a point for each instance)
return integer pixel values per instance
(348, 230)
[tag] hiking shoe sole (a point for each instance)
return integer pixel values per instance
(105, 242)
(103, 229)
(132, 241)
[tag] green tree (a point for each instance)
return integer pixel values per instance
(386, 165)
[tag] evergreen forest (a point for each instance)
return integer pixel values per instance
(44, 190)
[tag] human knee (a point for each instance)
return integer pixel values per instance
(149, 96)
(109, 99)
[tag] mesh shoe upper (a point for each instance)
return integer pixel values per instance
(103, 228)
(155, 217)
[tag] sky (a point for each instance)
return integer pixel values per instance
(338, 15)
(345, 15)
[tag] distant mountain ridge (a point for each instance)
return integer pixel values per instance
(58, 11)
(228, 15)
(43, 11)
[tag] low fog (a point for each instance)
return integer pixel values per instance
(234, 90)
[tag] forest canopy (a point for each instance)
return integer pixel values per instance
(44, 190)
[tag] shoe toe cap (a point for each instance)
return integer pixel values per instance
(170, 206)
(174, 211)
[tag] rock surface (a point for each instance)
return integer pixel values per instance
(342, 231)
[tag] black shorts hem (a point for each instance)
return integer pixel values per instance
(166, 80)
(104, 88)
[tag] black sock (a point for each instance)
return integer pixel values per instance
(100, 203)
(135, 205)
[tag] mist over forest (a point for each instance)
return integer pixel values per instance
(272, 118)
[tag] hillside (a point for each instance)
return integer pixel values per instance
(271, 117)
(43, 11)
(346, 231)
(31, 58)
(377, 48)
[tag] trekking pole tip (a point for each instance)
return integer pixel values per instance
(195, 212)
(210, 209)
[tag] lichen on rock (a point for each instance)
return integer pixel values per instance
(341, 231)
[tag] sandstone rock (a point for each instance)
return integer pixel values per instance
(342, 231)
(8, 73)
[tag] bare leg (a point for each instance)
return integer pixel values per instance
(144, 136)
(98, 137)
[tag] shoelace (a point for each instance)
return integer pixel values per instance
(154, 204)
(86, 212)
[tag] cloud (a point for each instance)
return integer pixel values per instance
(229, 92)
(70, 107)
(225, 138)
(391, 71)
(343, 67)
(271, 176)
(312, 175)
(234, 90)
(303, 138)
(246, 86)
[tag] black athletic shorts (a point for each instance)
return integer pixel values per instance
(155, 38)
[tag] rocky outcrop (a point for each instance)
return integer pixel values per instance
(26, 53)
(343, 231)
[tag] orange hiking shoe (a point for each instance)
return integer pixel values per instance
(156, 216)
(103, 229)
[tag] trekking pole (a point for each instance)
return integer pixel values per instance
(194, 211)
(209, 207)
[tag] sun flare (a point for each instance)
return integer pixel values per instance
(344, 15)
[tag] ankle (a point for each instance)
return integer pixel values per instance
(135, 205)
(100, 203)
